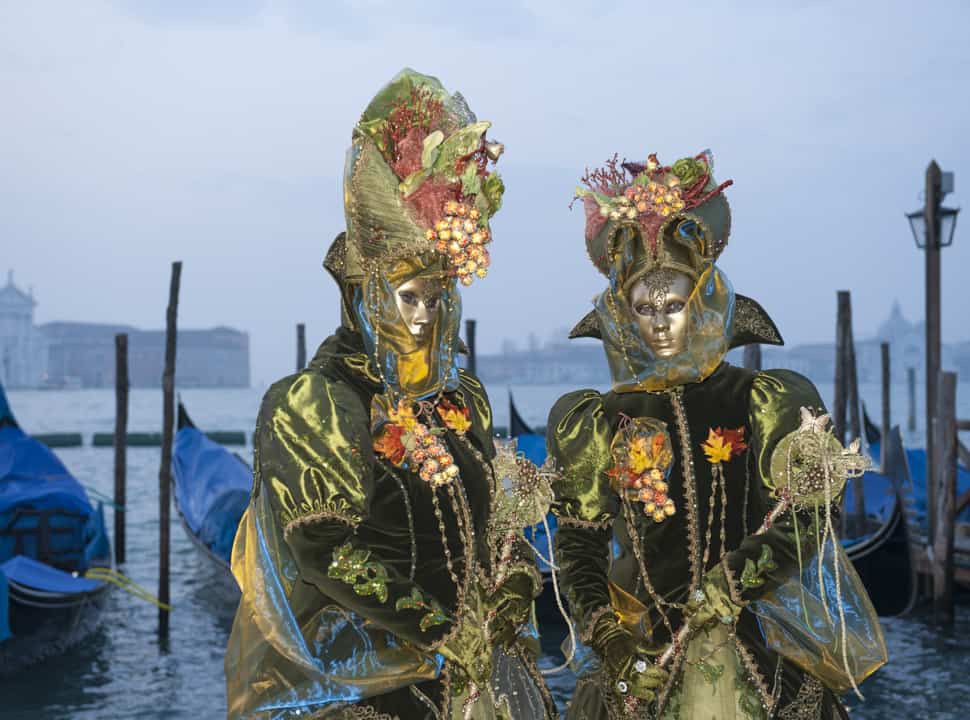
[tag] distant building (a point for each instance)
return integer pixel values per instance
(22, 356)
(74, 355)
(84, 354)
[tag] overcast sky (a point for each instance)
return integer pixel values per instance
(137, 132)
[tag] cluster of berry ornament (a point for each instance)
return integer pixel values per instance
(650, 488)
(435, 464)
(460, 237)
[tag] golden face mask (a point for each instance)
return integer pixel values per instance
(413, 347)
(418, 301)
(700, 346)
(659, 304)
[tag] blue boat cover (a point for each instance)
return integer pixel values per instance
(27, 571)
(44, 511)
(4, 602)
(212, 489)
(880, 496)
(916, 458)
(31, 474)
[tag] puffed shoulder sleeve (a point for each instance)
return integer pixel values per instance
(578, 439)
(314, 452)
(764, 561)
(315, 460)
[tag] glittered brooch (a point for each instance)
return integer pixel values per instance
(642, 458)
(404, 441)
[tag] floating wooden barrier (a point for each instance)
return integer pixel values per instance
(60, 440)
(227, 437)
(133, 439)
(154, 439)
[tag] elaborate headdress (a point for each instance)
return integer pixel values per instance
(642, 218)
(417, 183)
(418, 194)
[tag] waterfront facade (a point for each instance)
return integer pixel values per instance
(22, 347)
(76, 355)
(83, 355)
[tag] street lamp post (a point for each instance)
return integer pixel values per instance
(933, 228)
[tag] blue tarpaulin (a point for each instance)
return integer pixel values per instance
(916, 459)
(27, 571)
(4, 603)
(43, 509)
(211, 488)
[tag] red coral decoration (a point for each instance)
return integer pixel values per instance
(409, 122)
(610, 179)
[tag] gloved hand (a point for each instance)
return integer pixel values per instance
(711, 603)
(468, 650)
(509, 607)
(628, 660)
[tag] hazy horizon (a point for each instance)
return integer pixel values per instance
(135, 133)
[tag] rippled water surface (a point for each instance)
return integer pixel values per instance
(121, 670)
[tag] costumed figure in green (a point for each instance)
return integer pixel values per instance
(728, 595)
(381, 559)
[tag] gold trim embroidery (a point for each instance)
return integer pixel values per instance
(807, 704)
(349, 520)
(585, 524)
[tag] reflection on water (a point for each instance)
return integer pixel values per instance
(120, 671)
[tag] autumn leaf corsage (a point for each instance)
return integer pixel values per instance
(642, 457)
(723, 445)
(405, 441)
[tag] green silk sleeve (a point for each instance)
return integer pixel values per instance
(578, 437)
(314, 458)
(764, 561)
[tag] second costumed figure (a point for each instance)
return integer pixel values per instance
(715, 483)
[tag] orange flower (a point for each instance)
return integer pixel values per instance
(454, 417)
(389, 444)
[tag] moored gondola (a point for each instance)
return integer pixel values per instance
(211, 490)
(50, 536)
(883, 557)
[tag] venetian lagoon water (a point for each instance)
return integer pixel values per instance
(121, 671)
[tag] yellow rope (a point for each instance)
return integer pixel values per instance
(122, 581)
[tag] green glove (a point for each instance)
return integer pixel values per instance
(712, 603)
(468, 649)
(627, 660)
(508, 608)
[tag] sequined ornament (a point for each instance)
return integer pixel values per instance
(642, 457)
(406, 441)
(462, 237)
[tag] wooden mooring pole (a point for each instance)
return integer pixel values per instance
(847, 398)
(946, 442)
(886, 410)
(470, 342)
(752, 356)
(911, 382)
(841, 365)
(300, 346)
(121, 444)
(165, 471)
